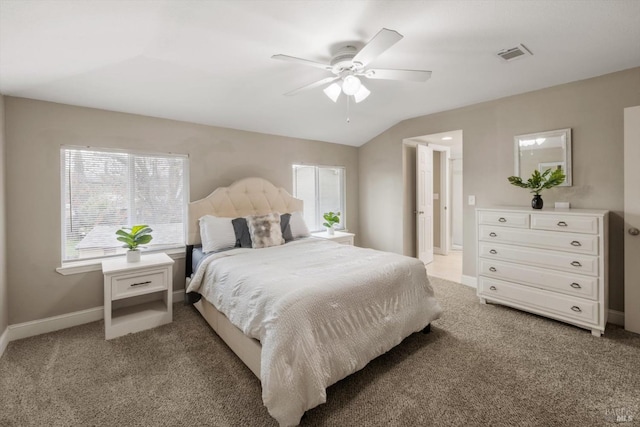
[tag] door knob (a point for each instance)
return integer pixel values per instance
(634, 231)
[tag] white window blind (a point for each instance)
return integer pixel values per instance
(322, 190)
(105, 190)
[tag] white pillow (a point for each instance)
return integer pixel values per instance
(298, 226)
(216, 233)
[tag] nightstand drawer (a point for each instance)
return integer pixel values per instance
(140, 283)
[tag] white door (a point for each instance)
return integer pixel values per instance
(632, 219)
(424, 203)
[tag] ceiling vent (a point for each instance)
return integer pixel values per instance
(514, 53)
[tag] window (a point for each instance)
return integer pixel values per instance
(322, 190)
(103, 190)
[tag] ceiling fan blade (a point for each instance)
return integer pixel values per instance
(313, 85)
(377, 45)
(408, 75)
(302, 61)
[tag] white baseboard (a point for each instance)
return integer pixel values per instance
(4, 341)
(55, 323)
(470, 281)
(616, 317)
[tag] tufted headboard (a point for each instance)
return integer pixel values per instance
(249, 196)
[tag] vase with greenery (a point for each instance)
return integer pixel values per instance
(538, 182)
(133, 237)
(331, 219)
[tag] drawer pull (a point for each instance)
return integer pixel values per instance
(576, 309)
(562, 224)
(575, 285)
(502, 219)
(576, 243)
(492, 234)
(493, 251)
(576, 264)
(493, 269)
(493, 288)
(141, 283)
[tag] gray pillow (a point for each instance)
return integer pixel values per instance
(265, 230)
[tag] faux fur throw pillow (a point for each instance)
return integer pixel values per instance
(265, 230)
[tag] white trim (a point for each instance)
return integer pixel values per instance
(55, 323)
(616, 317)
(76, 267)
(470, 281)
(4, 341)
(437, 250)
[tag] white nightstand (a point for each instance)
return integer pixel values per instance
(137, 295)
(338, 237)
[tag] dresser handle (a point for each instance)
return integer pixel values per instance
(140, 284)
(576, 243)
(576, 264)
(562, 224)
(493, 288)
(576, 309)
(502, 219)
(492, 234)
(493, 251)
(575, 285)
(492, 269)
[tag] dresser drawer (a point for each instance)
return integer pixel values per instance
(574, 263)
(565, 306)
(569, 242)
(504, 219)
(566, 283)
(140, 283)
(568, 223)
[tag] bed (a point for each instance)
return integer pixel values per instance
(307, 313)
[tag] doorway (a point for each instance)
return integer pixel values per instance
(446, 229)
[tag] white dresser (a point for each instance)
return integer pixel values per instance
(551, 262)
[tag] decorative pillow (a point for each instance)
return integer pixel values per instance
(265, 230)
(243, 237)
(298, 226)
(216, 233)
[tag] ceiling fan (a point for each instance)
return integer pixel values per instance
(349, 64)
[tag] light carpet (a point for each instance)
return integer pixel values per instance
(481, 365)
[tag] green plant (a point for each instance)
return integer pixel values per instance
(331, 218)
(135, 236)
(539, 181)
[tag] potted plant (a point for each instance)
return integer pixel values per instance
(538, 182)
(134, 237)
(331, 218)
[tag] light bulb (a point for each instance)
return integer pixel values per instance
(361, 94)
(351, 85)
(332, 91)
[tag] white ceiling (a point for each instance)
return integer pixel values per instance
(209, 61)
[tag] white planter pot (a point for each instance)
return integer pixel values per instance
(330, 231)
(133, 256)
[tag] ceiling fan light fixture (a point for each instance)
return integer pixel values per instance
(351, 85)
(333, 91)
(361, 94)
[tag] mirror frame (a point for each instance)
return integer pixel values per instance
(567, 151)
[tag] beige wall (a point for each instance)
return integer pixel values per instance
(4, 297)
(35, 130)
(593, 108)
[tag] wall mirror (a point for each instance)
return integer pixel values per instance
(541, 151)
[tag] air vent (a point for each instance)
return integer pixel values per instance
(514, 53)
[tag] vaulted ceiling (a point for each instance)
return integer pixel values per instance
(210, 62)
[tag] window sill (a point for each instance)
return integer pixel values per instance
(77, 267)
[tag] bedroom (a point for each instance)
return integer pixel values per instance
(36, 298)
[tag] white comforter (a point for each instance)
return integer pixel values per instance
(320, 310)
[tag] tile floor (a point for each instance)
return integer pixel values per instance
(447, 267)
